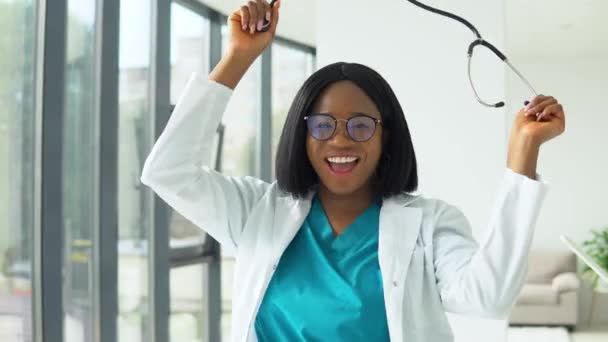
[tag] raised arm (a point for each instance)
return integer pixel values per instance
(177, 169)
(485, 280)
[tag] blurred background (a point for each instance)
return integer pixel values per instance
(87, 253)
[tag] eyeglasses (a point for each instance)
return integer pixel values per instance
(360, 127)
(477, 42)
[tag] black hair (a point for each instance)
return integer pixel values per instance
(396, 171)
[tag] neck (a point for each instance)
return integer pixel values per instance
(348, 205)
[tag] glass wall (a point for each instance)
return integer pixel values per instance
(189, 53)
(135, 201)
(80, 153)
(241, 118)
(189, 47)
(188, 320)
(87, 206)
(290, 68)
(239, 155)
(17, 166)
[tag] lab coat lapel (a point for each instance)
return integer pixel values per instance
(289, 216)
(399, 229)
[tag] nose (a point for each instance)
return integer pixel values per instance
(341, 132)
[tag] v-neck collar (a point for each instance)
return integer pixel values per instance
(360, 229)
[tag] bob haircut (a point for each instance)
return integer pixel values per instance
(396, 171)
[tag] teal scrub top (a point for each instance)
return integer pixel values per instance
(327, 287)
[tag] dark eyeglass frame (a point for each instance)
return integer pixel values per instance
(376, 123)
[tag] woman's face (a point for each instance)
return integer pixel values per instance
(343, 100)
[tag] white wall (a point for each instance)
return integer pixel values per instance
(460, 144)
(576, 163)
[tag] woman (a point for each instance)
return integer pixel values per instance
(337, 249)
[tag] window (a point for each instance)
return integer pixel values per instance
(188, 304)
(17, 160)
(189, 53)
(190, 41)
(239, 155)
(189, 47)
(240, 119)
(135, 138)
(290, 68)
(194, 274)
(80, 170)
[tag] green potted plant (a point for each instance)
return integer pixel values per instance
(597, 248)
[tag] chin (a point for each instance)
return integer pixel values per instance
(342, 188)
(340, 191)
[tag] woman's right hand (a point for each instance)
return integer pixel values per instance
(243, 38)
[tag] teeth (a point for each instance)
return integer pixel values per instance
(342, 159)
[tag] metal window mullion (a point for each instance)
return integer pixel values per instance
(213, 277)
(36, 262)
(196, 6)
(264, 148)
(49, 235)
(295, 45)
(106, 235)
(158, 261)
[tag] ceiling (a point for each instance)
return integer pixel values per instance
(538, 29)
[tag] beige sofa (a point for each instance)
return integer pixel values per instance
(550, 296)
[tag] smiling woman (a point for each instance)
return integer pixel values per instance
(338, 248)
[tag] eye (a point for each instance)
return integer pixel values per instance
(323, 125)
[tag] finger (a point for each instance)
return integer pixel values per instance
(556, 110)
(253, 18)
(244, 17)
(540, 106)
(274, 20)
(536, 100)
(558, 121)
(268, 8)
(261, 13)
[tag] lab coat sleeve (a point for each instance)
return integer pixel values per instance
(485, 280)
(177, 167)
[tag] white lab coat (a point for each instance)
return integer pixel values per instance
(429, 261)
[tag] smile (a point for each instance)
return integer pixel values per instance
(342, 165)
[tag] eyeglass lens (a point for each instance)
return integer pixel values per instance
(359, 128)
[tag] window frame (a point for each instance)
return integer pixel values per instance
(48, 236)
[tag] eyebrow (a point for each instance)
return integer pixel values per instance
(352, 114)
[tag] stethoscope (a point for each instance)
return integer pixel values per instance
(477, 42)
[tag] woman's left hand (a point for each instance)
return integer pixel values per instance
(540, 121)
